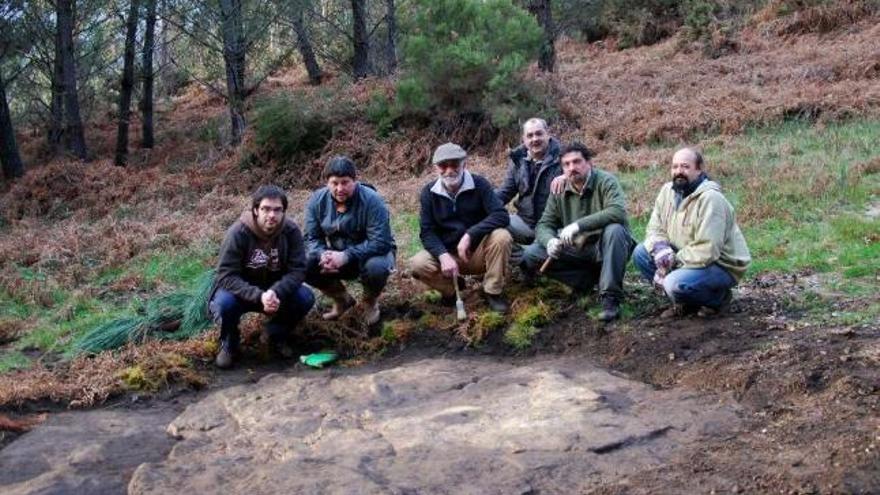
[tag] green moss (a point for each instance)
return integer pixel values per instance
(488, 321)
(520, 336)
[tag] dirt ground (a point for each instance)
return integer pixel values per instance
(808, 393)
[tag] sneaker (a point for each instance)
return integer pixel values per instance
(224, 359)
(723, 308)
(610, 309)
(340, 306)
(497, 303)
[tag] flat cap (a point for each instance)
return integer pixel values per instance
(448, 151)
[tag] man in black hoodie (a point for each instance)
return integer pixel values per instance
(261, 268)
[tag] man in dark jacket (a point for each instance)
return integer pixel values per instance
(348, 236)
(463, 230)
(530, 169)
(586, 232)
(261, 268)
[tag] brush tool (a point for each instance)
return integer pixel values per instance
(460, 313)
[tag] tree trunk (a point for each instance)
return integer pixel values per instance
(391, 48)
(147, 75)
(361, 62)
(165, 55)
(56, 108)
(127, 85)
(76, 141)
(542, 10)
(305, 47)
(234, 59)
(9, 156)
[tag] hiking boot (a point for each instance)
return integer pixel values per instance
(610, 309)
(224, 359)
(447, 301)
(497, 303)
(371, 311)
(674, 311)
(340, 306)
(721, 309)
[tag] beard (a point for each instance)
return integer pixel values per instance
(680, 182)
(454, 181)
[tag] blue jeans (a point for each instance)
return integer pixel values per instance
(228, 310)
(689, 286)
(373, 274)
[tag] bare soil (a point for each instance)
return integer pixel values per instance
(808, 395)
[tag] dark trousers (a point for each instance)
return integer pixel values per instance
(603, 261)
(373, 273)
(228, 310)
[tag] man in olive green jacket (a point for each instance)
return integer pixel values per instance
(693, 247)
(586, 232)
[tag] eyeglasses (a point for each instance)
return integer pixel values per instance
(268, 209)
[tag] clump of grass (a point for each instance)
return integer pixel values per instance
(528, 315)
(158, 371)
(396, 331)
(174, 316)
(520, 336)
(429, 320)
(432, 296)
(484, 323)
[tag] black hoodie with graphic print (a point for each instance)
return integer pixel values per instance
(251, 262)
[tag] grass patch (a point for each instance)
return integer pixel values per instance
(406, 232)
(176, 270)
(13, 360)
(14, 307)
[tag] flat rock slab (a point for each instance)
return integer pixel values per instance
(85, 452)
(472, 425)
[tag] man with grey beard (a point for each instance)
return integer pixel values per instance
(463, 230)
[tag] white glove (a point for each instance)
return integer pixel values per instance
(664, 259)
(567, 234)
(554, 248)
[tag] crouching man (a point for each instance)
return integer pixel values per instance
(693, 247)
(463, 230)
(348, 235)
(261, 269)
(586, 232)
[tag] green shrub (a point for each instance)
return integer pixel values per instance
(464, 57)
(286, 126)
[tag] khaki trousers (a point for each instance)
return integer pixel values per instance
(490, 258)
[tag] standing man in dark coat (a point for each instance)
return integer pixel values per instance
(530, 169)
(261, 268)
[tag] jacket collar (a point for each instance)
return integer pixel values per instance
(348, 202)
(588, 186)
(467, 183)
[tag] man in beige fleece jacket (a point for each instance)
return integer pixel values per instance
(693, 247)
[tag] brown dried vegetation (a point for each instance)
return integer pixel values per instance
(70, 221)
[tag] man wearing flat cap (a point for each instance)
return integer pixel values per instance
(463, 230)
